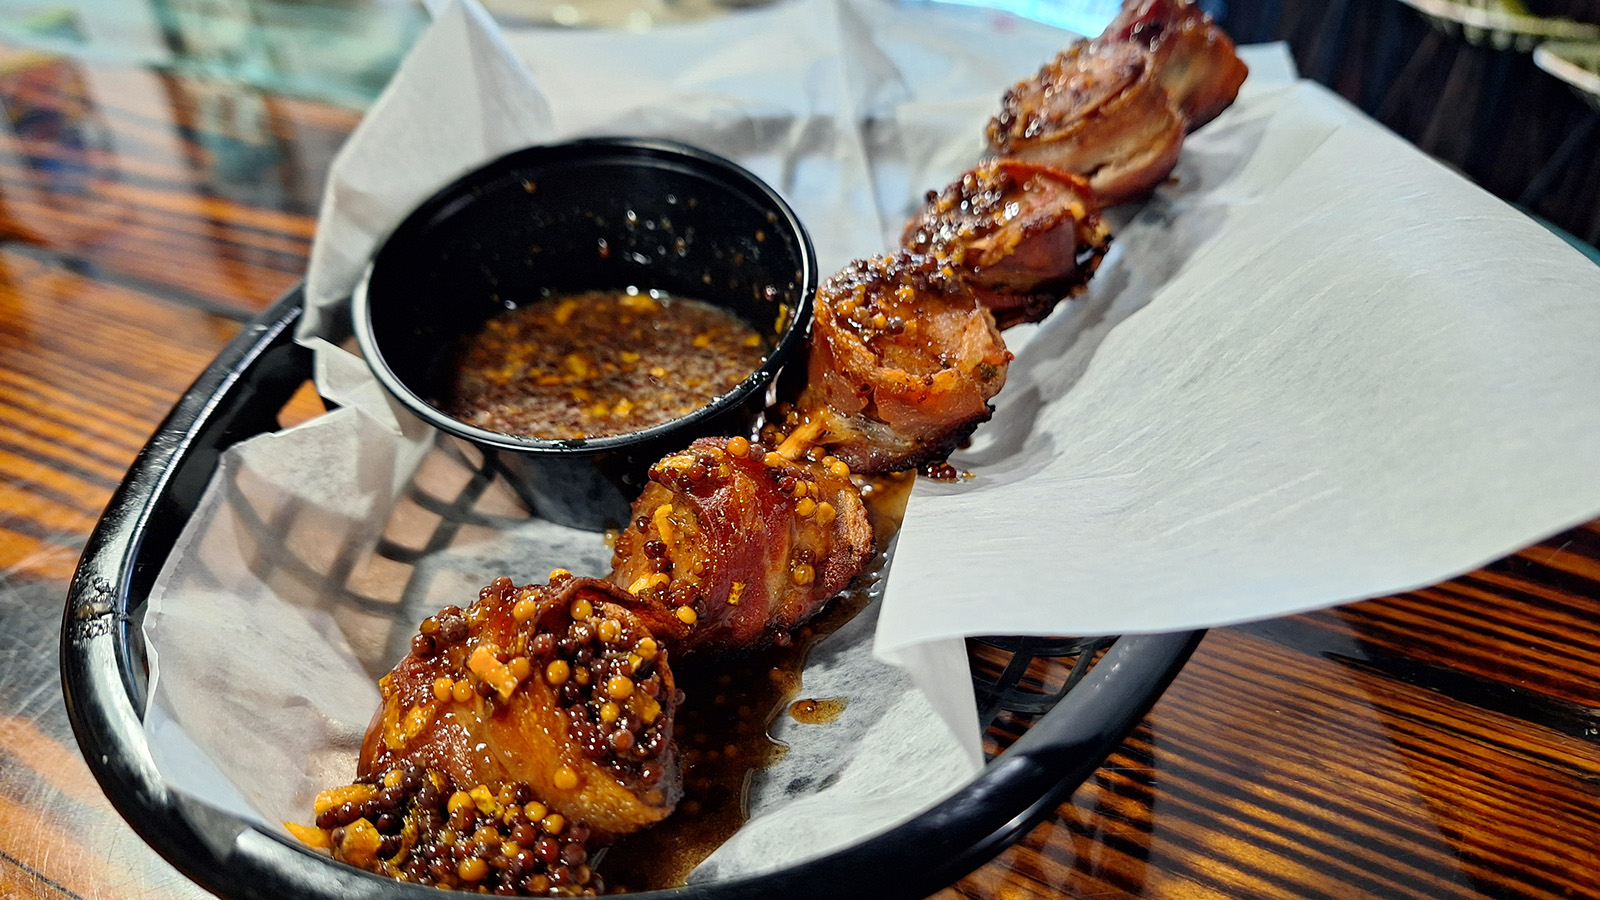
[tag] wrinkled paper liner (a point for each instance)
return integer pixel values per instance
(1335, 369)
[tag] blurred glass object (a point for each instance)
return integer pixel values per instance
(54, 131)
(632, 15)
(342, 51)
(1085, 17)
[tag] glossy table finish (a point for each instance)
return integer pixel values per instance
(1443, 743)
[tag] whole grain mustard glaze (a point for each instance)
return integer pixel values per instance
(599, 363)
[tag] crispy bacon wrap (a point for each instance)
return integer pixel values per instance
(515, 737)
(1023, 236)
(743, 543)
(902, 366)
(558, 674)
(1096, 110)
(1194, 60)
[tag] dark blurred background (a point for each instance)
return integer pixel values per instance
(1507, 94)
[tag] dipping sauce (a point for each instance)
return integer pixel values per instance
(599, 363)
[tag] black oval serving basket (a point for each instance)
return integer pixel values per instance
(1067, 729)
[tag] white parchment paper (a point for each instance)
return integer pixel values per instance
(1341, 371)
(1316, 367)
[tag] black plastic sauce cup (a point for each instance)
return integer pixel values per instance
(601, 214)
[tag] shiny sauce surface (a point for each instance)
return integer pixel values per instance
(599, 363)
(722, 726)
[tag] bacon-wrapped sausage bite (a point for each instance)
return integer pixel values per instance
(742, 542)
(1194, 60)
(1096, 110)
(565, 687)
(1023, 236)
(548, 707)
(903, 362)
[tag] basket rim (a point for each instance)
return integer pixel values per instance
(102, 686)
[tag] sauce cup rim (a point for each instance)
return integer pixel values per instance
(790, 343)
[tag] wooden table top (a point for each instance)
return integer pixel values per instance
(1441, 743)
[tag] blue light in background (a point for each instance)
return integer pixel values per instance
(1085, 17)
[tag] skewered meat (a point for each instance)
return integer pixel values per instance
(1022, 236)
(1194, 59)
(525, 733)
(1096, 110)
(742, 542)
(563, 688)
(1115, 109)
(903, 363)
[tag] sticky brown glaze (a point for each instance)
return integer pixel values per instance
(1023, 236)
(413, 824)
(741, 542)
(902, 366)
(564, 688)
(1194, 60)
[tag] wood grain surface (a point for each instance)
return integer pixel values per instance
(1439, 744)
